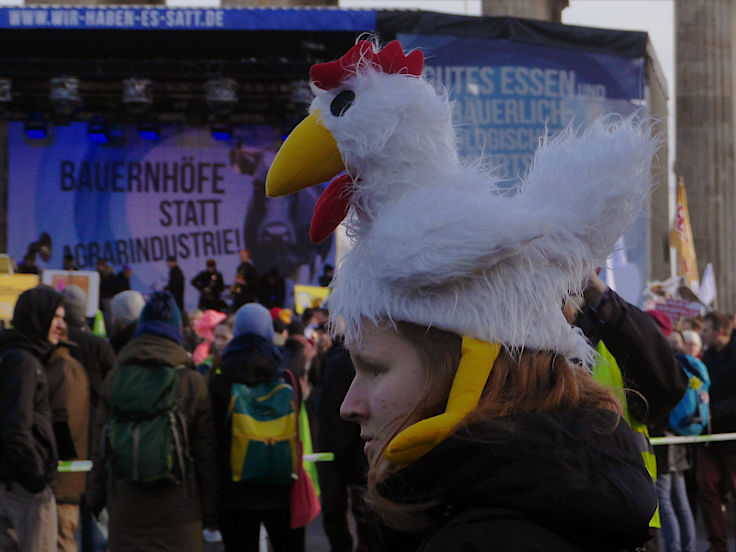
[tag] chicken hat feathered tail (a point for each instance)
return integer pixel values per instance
(440, 243)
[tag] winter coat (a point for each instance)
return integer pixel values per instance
(166, 517)
(652, 377)
(250, 360)
(722, 370)
(70, 380)
(565, 481)
(95, 354)
(29, 455)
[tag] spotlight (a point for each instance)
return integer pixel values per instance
(137, 95)
(36, 126)
(149, 131)
(64, 95)
(221, 95)
(97, 131)
(222, 132)
(6, 91)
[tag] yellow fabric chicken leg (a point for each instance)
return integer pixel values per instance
(472, 373)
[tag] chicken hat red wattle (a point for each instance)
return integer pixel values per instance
(334, 203)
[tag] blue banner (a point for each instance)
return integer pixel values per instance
(229, 19)
(508, 94)
(134, 202)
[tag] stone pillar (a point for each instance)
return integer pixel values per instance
(547, 10)
(704, 54)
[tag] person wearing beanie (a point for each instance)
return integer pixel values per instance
(125, 308)
(173, 516)
(29, 453)
(483, 427)
(97, 357)
(161, 317)
(251, 358)
(693, 345)
(69, 397)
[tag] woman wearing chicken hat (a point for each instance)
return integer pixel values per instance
(483, 427)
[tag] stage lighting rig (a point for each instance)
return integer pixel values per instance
(221, 96)
(64, 95)
(137, 95)
(149, 131)
(222, 132)
(6, 91)
(97, 130)
(36, 126)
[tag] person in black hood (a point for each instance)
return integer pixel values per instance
(251, 359)
(29, 453)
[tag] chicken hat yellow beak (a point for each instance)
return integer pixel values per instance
(308, 157)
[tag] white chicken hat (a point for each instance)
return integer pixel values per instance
(438, 242)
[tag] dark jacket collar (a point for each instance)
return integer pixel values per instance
(13, 339)
(576, 472)
(250, 359)
(152, 349)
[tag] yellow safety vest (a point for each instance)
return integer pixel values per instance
(607, 372)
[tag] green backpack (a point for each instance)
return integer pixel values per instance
(264, 433)
(146, 439)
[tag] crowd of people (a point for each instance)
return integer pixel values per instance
(61, 387)
(249, 284)
(58, 390)
(480, 386)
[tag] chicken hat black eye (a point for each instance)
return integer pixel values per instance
(342, 102)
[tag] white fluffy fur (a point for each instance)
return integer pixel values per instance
(437, 243)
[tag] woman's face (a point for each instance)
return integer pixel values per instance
(389, 379)
(691, 348)
(223, 336)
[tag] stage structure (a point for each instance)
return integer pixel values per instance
(133, 133)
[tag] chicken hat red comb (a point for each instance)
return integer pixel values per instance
(390, 60)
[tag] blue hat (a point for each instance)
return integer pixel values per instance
(160, 316)
(253, 318)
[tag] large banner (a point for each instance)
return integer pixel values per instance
(508, 94)
(134, 202)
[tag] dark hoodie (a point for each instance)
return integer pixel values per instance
(248, 359)
(28, 448)
(566, 481)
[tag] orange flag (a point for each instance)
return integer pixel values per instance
(681, 238)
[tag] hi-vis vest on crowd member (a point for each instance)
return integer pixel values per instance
(690, 416)
(607, 372)
(146, 439)
(264, 433)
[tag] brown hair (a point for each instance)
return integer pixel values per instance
(719, 320)
(531, 381)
